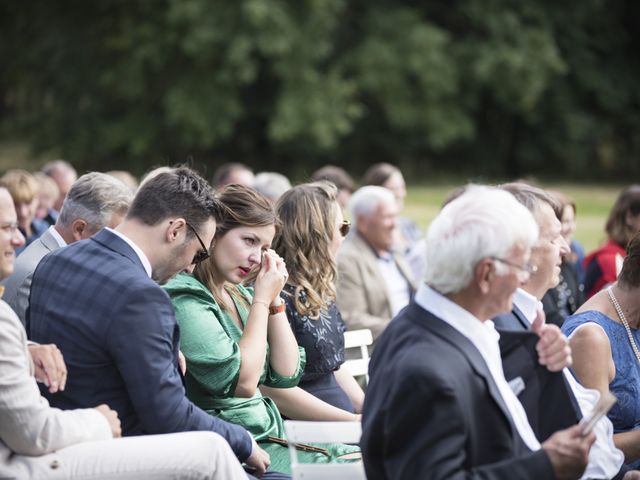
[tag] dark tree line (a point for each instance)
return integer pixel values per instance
(486, 87)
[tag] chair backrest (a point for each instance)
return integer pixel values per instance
(323, 432)
(358, 339)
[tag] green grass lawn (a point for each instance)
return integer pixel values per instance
(593, 204)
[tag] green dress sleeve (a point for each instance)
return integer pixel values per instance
(271, 378)
(212, 354)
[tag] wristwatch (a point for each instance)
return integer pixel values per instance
(277, 309)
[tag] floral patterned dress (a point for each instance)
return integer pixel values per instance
(323, 341)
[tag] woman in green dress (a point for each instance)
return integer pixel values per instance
(236, 339)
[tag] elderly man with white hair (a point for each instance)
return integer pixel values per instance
(438, 405)
(374, 282)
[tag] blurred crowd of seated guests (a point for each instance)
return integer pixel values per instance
(261, 279)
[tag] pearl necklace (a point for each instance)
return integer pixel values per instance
(616, 305)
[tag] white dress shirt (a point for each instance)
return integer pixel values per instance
(527, 303)
(605, 459)
(143, 258)
(397, 285)
(57, 237)
(484, 337)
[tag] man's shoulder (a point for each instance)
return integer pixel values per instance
(28, 260)
(89, 266)
(93, 252)
(412, 358)
(6, 312)
(10, 324)
(355, 249)
(414, 335)
(349, 246)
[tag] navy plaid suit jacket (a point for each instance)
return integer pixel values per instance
(117, 331)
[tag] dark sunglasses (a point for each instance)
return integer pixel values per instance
(201, 255)
(345, 227)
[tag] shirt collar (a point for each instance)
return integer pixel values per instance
(57, 237)
(527, 303)
(385, 257)
(462, 320)
(143, 258)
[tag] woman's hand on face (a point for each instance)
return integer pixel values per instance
(271, 278)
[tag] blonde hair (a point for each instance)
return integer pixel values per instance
(22, 186)
(46, 186)
(308, 216)
(243, 207)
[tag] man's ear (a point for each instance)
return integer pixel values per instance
(362, 223)
(79, 229)
(483, 274)
(176, 226)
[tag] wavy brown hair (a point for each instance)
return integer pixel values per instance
(630, 274)
(627, 202)
(308, 216)
(243, 207)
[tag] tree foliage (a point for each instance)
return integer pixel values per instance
(491, 87)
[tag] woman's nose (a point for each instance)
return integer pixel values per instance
(255, 257)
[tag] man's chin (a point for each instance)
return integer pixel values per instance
(163, 278)
(6, 271)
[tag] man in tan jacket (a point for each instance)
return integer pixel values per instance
(374, 281)
(39, 442)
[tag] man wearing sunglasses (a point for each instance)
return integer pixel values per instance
(40, 442)
(100, 302)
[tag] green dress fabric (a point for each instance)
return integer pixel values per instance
(209, 341)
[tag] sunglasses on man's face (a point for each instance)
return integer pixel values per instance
(201, 255)
(345, 227)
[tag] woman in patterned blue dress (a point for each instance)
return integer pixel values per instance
(604, 339)
(312, 231)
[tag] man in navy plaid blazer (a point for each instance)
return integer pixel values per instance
(98, 300)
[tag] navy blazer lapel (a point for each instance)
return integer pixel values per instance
(511, 339)
(517, 313)
(113, 242)
(450, 335)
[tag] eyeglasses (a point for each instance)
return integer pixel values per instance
(527, 267)
(200, 255)
(345, 227)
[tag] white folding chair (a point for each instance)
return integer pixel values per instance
(358, 339)
(323, 432)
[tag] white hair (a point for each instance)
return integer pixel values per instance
(271, 184)
(366, 200)
(482, 222)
